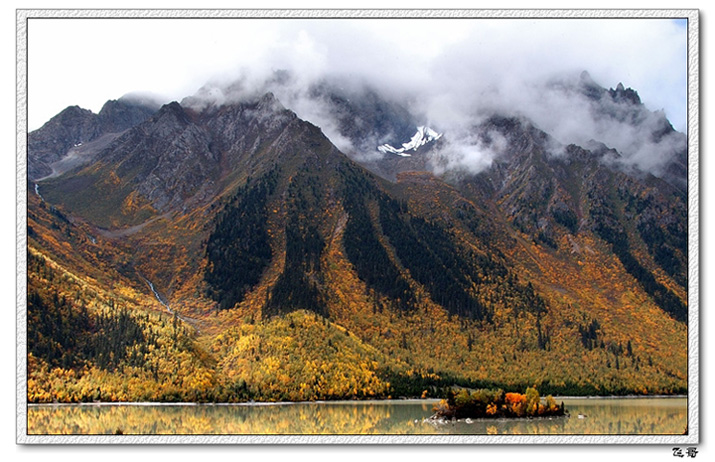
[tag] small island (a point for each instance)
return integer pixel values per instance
(495, 403)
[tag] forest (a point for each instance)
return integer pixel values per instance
(324, 283)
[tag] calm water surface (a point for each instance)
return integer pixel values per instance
(614, 416)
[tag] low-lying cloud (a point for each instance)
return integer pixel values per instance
(467, 153)
(451, 81)
(448, 73)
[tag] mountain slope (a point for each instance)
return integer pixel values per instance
(271, 247)
(547, 197)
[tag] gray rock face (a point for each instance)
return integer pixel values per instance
(51, 142)
(545, 195)
(648, 130)
(119, 115)
(166, 159)
(180, 158)
(74, 127)
(241, 131)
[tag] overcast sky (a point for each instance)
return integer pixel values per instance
(86, 62)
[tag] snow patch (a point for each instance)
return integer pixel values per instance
(423, 136)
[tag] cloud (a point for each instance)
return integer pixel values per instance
(448, 71)
(467, 152)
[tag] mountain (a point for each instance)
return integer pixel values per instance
(75, 134)
(623, 122)
(371, 125)
(549, 197)
(230, 251)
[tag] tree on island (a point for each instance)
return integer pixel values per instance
(495, 403)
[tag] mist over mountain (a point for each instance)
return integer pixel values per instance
(359, 116)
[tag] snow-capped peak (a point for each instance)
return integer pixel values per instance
(423, 136)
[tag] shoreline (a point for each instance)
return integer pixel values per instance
(346, 401)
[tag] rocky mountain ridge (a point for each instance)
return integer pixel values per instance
(75, 127)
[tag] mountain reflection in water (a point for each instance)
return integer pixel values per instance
(616, 416)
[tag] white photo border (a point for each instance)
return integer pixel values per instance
(693, 90)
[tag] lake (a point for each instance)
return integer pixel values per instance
(599, 416)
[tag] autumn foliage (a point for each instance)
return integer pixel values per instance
(494, 403)
(309, 286)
